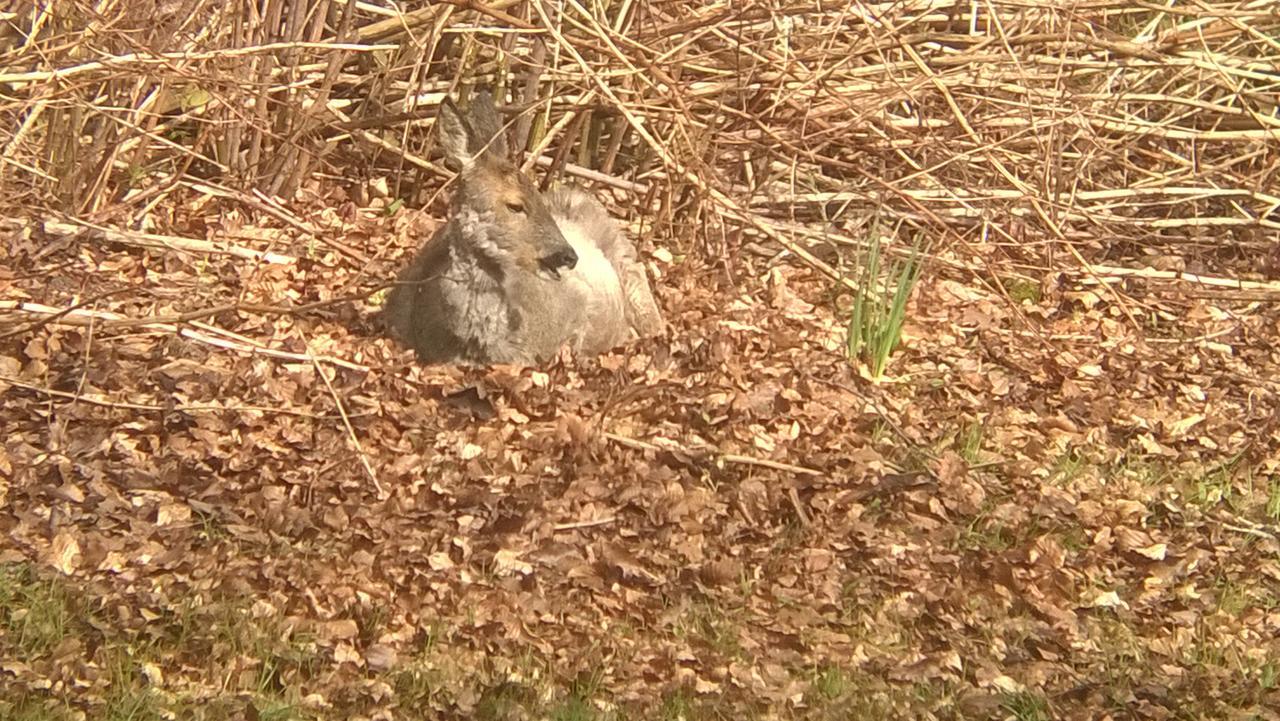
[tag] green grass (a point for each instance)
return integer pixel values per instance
(526, 699)
(211, 527)
(710, 625)
(32, 708)
(1269, 675)
(1147, 470)
(1272, 508)
(1022, 289)
(991, 534)
(1026, 706)
(1119, 646)
(574, 708)
(831, 683)
(416, 685)
(133, 705)
(36, 614)
(1232, 484)
(1073, 539)
(503, 701)
(678, 707)
(969, 443)
(988, 536)
(1212, 488)
(1233, 598)
(839, 694)
(684, 705)
(263, 664)
(1068, 467)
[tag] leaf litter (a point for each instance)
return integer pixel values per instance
(1041, 499)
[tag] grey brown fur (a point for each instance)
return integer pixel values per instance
(516, 274)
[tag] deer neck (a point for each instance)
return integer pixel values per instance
(478, 291)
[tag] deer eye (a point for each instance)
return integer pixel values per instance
(515, 206)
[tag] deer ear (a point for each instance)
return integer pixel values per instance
(486, 125)
(455, 135)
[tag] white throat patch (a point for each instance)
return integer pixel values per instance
(593, 269)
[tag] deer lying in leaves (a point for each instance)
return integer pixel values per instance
(515, 274)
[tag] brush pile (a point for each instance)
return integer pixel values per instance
(1056, 136)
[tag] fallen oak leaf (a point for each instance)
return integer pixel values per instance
(64, 553)
(1156, 551)
(1108, 599)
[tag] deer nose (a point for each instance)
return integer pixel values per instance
(563, 259)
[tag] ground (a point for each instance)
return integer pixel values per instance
(1060, 502)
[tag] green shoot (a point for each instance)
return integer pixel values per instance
(879, 311)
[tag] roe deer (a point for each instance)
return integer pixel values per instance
(516, 274)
